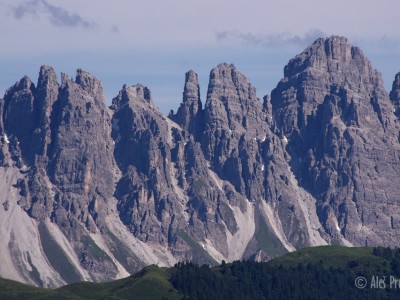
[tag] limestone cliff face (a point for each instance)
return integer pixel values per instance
(343, 140)
(189, 113)
(4, 141)
(59, 136)
(81, 151)
(395, 94)
(111, 190)
(242, 149)
(143, 143)
(165, 195)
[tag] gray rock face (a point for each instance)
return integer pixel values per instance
(111, 190)
(234, 123)
(242, 149)
(60, 137)
(46, 95)
(162, 194)
(143, 144)
(395, 94)
(4, 155)
(81, 152)
(20, 119)
(56, 132)
(188, 115)
(342, 138)
(81, 167)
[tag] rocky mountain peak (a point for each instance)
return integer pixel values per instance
(116, 189)
(335, 113)
(229, 98)
(24, 83)
(20, 118)
(191, 92)
(225, 76)
(47, 73)
(331, 66)
(65, 79)
(190, 76)
(47, 93)
(88, 82)
(134, 95)
(395, 94)
(234, 121)
(396, 82)
(134, 106)
(189, 111)
(331, 55)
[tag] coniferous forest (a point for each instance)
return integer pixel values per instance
(252, 280)
(328, 272)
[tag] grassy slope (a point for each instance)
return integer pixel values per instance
(152, 282)
(201, 255)
(14, 290)
(335, 256)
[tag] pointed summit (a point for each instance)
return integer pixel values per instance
(88, 82)
(334, 112)
(395, 94)
(132, 95)
(232, 102)
(46, 93)
(328, 66)
(333, 55)
(46, 73)
(191, 106)
(19, 115)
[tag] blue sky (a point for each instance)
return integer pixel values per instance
(155, 42)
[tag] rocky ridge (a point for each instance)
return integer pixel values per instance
(343, 140)
(113, 189)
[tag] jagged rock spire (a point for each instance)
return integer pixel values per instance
(395, 94)
(189, 111)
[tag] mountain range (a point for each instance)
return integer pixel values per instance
(95, 193)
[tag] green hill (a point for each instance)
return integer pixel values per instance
(326, 272)
(150, 283)
(334, 256)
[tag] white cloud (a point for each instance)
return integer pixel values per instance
(57, 15)
(271, 39)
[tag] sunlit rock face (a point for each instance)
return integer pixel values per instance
(90, 192)
(343, 140)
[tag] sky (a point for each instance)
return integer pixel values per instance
(154, 42)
